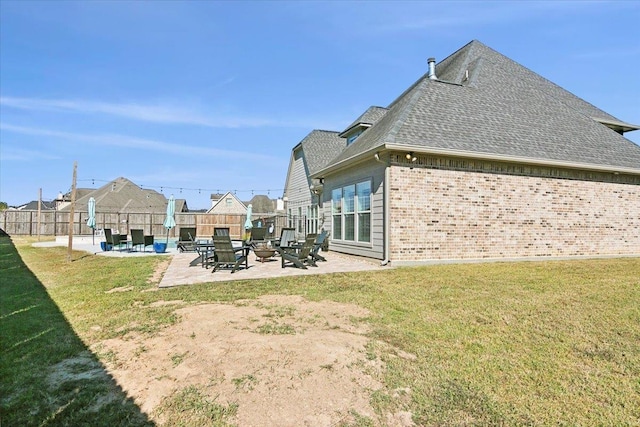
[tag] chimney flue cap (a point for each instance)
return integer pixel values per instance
(432, 68)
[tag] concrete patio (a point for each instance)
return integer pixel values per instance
(181, 271)
(185, 269)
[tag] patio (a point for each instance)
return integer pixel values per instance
(181, 272)
(183, 269)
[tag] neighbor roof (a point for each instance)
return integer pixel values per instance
(122, 195)
(485, 104)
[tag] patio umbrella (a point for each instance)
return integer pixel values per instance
(248, 225)
(91, 221)
(170, 221)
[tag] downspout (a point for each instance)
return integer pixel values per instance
(385, 201)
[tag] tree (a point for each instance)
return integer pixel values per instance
(3, 206)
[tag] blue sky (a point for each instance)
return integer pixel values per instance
(196, 97)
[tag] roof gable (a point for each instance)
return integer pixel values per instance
(228, 204)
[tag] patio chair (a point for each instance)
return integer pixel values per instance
(287, 238)
(139, 239)
(320, 240)
(221, 231)
(115, 240)
(225, 255)
(299, 256)
(258, 234)
(186, 239)
(108, 237)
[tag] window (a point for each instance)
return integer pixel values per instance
(351, 212)
(312, 219)
(336, 211)
(363, 192)
(229, 201)
(353, 138)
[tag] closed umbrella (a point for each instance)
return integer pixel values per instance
(170, 221)
(248, 225)
(91, 221)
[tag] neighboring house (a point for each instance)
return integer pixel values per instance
(262, 204)
(228, 204)
(480, 158)
(33, 206)
(123, 196)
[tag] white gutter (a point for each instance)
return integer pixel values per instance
(385, 197)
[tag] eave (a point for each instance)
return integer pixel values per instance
(346, 163)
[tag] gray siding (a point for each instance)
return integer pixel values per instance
(375, 172)
(297, 191)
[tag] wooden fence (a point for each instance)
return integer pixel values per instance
(55, 223)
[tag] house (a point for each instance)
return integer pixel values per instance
(301, 194)
(227, 204)
(33, 206)
(480, 158)
(123, 196)
(262, 205)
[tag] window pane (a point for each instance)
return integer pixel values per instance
(337, 227)
(364, 227)
(349, 231)
(364, 196)
(349, 198)
(336, 198)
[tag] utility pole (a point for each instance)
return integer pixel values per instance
(39, 211)
(71, 212)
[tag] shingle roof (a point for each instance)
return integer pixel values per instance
(486, 103)
(320, 147)
(33, 206)
(261, 204)
(368, 118)
(122, 195)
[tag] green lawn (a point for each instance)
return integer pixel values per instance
(539, 343)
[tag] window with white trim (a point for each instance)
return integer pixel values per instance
(351, 212)
(312, 219)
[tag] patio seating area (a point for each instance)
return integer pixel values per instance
(180, 272)
(183, 270)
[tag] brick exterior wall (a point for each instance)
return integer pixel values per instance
(438, 214)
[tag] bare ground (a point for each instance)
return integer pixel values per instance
(283, 360)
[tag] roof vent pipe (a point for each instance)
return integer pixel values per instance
(432, 68)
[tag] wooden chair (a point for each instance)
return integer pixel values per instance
(225, 255)
(299, 256)
(221, 231)
(318, 245)
(287, 238)
(186, 239)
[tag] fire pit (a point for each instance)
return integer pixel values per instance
(263, 252)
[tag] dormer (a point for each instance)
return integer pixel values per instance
(362, 123)
(617, 126)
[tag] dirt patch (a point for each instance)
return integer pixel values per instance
(159, 271)
(282, 360)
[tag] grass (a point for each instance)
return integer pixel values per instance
(539, 343)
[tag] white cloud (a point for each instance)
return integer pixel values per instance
(116, 140)
(135, 111)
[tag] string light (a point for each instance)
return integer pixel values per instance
(162, 188)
